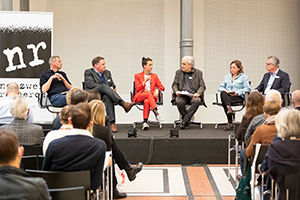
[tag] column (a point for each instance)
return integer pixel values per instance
(186, 36)
(24, 5)
(7, 5)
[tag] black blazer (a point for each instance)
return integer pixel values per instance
(281, 83)
(91, 79)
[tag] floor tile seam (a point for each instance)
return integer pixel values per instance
(187, 184)
(213, 183)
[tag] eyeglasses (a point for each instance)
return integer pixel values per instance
(269, 64)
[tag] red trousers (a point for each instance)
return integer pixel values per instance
(149, 102)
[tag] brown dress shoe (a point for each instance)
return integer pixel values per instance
(229, 111)
(128, 106)
(113, 128)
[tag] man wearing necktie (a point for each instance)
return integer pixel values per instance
(100, 79)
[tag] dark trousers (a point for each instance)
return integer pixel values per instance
(109, 98)
(227, 100)
(182, 101)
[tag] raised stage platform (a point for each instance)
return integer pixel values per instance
(193, 146)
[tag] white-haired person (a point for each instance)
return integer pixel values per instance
(283, 155)
(28, 134)
(189, 87)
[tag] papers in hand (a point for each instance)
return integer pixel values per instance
(185, 93)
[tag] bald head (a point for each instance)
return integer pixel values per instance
(12, 89)
(273, 95)
(296, 98)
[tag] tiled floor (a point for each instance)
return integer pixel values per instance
(176, 182)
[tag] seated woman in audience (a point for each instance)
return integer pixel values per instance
(254, 106)
(147, 86)
(283, 155)
(65, 113)
(232, 89)
(265, 133)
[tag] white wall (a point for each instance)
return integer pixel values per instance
(223, 31)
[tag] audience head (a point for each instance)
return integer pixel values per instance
(254, 105)
(65, 114)
(99, 64)
(187, 62)
(12, 89)
(296, 98)
(287, 123)
(19, 107)
(68, 95)
(238, 64)
(273, 95)
(10, 150)
(79, 96)
(81, 116)
(271, 108)
(98, 112)
(93, 95)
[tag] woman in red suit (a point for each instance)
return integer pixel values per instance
(147, 86)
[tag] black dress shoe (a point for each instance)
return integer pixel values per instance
(132, 171)
(183, 124)
(119, 195)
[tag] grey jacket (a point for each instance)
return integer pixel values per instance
(92, 80)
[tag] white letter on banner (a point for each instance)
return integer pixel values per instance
(36, 61)
(10, 55)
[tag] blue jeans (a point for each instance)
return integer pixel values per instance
(242, 155)
(58, 100)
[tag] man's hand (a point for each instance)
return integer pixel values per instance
(196, 95)
(179, 95)
(59, 76)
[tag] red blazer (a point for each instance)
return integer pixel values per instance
(139, 88)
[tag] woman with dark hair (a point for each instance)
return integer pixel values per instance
(232, 89)
(147, 86)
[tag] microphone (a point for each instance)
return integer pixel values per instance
(150, 77)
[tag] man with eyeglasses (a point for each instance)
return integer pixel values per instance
(275, 78)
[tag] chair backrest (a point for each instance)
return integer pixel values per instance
(43, 100)
(83, 85)
(32, 150)
(261, 155)
(292, 186)
(159, 99)
(74, 193)
(57, 180)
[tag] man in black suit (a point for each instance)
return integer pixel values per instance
(275, 78)
(100, 79)
(296, 99)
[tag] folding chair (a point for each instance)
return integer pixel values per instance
(107, 181)
(73, 193)
(139, 106)
(32, 150)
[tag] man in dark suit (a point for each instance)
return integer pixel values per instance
(100, 79)
(188, 79)
(28, 134)
(275, 78)
(79, 150)
(296, 99)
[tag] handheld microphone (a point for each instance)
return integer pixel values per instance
(150, 77)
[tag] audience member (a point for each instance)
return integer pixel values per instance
(28, 134)
(254, 107)
(265, 133)
(100, 79)
(65, 113)
(283, 155)
(5, 115)
(55, 82)
(296, 99)
(101, 130)
(93, 95)
(232, 89)
(74, 96)
(78, 150)
(275, 78)
(147, 86)
(189, 87)
(14, 182)
(272, 95)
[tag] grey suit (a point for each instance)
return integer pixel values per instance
(108, 95)
(28, 134)
(198, 86)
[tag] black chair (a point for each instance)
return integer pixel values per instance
(32, 150)
(176, 122)
(44, 102)
(239, 106)
(56, 180)
(292, 186)
(140, 107)
(74, 193)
